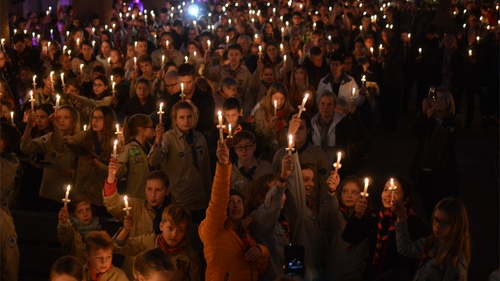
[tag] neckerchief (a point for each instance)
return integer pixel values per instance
(146, 148)
(96, 276)
(172, 251)
(279, 123)
(190, 141)
(249, 174)
(427, 255)
(97, 145)
(233, 73)
(381, 238)
(345, 214)
(284, 225)
(158, 213)
(85, 229)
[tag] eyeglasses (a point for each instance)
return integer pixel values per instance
(241, 148)
(441, 223)
(171, 85)
(97, 118)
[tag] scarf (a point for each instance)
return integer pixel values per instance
(383, 215)
(427, 255)
(85, 229)
(172, 251)
(158, 213)
(190, 140)
(279, 123)
(96, 276)
(249, 174)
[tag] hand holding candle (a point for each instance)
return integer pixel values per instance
(127, 208)
(220, 126)
(365, 191)
(66, 199)
(337, 164)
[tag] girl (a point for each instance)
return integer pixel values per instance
(299, 84)
(104, 53)
(345, 261)
(66, 268)
(446, 254)
(182, 153)
(116, 60)
(270, 126)
(93, 147)
(379, 229)
(101, 95)
(137, 130)
(60, 172)
(75, 222)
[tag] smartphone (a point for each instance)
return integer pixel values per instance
(294, 260)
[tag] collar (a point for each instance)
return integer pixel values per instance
(344, 78)
(303, 148)
(255, 163)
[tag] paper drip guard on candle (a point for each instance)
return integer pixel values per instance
(290, 147)
(220, 126)
(160, 113)
(302, 107)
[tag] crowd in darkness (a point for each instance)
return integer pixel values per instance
(250, 121)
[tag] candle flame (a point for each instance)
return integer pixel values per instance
(68, 188)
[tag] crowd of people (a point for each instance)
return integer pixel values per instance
(250, 121)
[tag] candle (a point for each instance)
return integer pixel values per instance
(314, 26)
(69, 53)
(160, 112)
(135, 61)
(113, 87)
(208, 43)
(66, 199)
(363, 81)
(227, 39)
(230, 134)
(365, 191)
(52, 79)
(282, 35)
(115, 146)
(34, 82)
(182, 91)
(290, 148)
(62, 79)
(380, 48)
(117, 129)
(67, 34)
(81, 68)
(220, 126)
(392, 188)
(3, 44)
(409, 37)
(194, 54)
(275, 102)
(260, 50)
(78, 42)
(32, 100)
(302, 107)
(284, 58)
(419, 51)
(337, 164)
(162, 61)
(85, 127)
(58, 101)
(12, 118)
(127, 208)
(167, 44)
(470, 53)
(353, 93)
(371, 50)
(109, 61)
(186, 59)
(477, 39)
(51, 34)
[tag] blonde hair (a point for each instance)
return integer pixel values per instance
(267, 103)
(151, 261)
(457, 243)
(184, 104)
(176, 215)
(97, 240)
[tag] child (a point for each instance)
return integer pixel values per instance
(137, 130)
(99, 255)
(229, 89)
(66, 268)
(94, 147)
(100, 96)
(247, 167)
(147, 212)
(379, 229)
(172, 240)
(446, 254)
(63, 162)
(9, 256)
(345, 261)
(182, 153)
(145, 64)
(75, 222)
(46, 93)
(154, 265)
(229, 248)
(270, 121)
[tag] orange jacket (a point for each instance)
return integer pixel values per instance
(224, 250)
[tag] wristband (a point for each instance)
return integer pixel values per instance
(281, 179)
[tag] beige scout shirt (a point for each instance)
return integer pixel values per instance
(242, 75)
(136, 165)
(59, 157)
(9, 252)
(190, 185)
(71, 241)
(114, 274)
(186, 261)
(242, 183)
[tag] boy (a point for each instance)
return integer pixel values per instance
(235, 69)
(99, 255)
(246, 167)
(229, 89)
(146, 213)
(10, 137)
(174, 226)
(145, 64)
